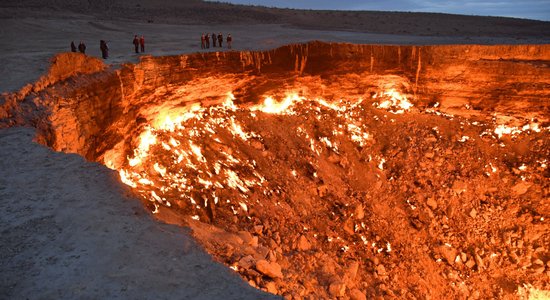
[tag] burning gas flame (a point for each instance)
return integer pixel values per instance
(393, 101)
(181, 155)
(271, 106)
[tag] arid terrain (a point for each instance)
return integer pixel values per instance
(318, 170)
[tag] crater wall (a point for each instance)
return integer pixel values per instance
(326, 198)
(81, 106)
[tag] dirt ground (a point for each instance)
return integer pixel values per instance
(435, 210)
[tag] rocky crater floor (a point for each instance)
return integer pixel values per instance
(328, 170)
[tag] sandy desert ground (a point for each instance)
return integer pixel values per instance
(69, 228)
(34, 33)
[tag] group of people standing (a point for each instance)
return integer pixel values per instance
(81, 47)
(205, 40)
(139, 43)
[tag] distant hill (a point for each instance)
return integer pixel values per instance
(200, 12)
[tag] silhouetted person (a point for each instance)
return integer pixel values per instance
(142, 43)
(73, 47)
(207, 40)
(104, 49)
(220, 39)
(229, 40)
(213, 39)
(82, 47)
(203, 42)
(136, 43)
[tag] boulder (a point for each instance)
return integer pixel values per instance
(303, 243)
(356, 294)
(270, 269)
(337, 289)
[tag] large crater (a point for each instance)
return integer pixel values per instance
(327, 170)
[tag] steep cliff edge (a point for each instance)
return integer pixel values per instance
(63, 66)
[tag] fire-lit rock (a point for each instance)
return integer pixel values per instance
(327, 170)
(270, 269)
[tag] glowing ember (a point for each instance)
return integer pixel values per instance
(381, 164)
(503, 129)
(273, 107)
(393, 101)
(464, 139)
(147, 138)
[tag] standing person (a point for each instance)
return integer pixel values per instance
(214, 39)
(142, 43)
(220, 39)
(82, 47)
(104, 49)
(136, 43)
(229, 40)
(207, 40)
(203, 42)
(73, 47)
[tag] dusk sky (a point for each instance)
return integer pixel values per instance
(530, 9)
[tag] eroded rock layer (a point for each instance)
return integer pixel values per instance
(102, 108)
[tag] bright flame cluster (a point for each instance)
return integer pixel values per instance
(502, 129)
(171, 164)
(393, 101)
(189, 157)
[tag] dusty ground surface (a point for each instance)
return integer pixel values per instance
(477, 232)
(69, 231)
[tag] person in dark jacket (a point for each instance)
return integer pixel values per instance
(136, 43)
(142, 43)
(229, 41)
(82, 47)
(73, 47)
(220, 39)
(104, 49)
(214, 38)
(207, 40)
